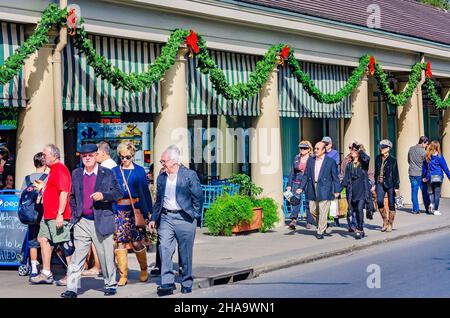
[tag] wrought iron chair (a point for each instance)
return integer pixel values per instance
(210, 194)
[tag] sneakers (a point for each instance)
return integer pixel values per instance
(431, 208)
(62, 281)
(41, 278)
(437, 212)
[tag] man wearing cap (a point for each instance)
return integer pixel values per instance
(94, 190)
(416, 157)
(387, 180)
(321, 185)
(330, 152)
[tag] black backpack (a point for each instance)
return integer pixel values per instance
(31, 207)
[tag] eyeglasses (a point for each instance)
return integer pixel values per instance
(126, 157)
(88, 155)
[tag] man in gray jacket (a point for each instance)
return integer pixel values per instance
(416, 156)
(179, 200)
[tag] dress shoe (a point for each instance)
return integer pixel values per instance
(165, 290)
(319, 236)
(110, 291)
(69, 294)
(358, 235)
(186, 290)
(155, 272)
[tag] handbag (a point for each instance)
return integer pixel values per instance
(334, 208)
(435, 178)
(343, 207)
(139, 219)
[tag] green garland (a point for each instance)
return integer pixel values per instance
(53, 16)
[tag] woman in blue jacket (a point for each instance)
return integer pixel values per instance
(133, 183)
(433, 172)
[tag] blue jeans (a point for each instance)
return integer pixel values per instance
(416, 183)
(436, 187)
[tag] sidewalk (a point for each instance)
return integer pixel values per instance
(221, 260)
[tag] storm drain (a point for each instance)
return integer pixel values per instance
(231, 277)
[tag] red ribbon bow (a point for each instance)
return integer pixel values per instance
(72, 18)
(285, 52)
(428, 71)
(191, 41)
(372, 65)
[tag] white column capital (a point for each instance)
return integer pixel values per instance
(182, 51)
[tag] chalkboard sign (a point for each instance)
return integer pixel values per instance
(12, 232)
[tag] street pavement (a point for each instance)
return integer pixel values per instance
(415, 267)
(219, 260)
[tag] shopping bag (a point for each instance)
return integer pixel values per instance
(343, 207)
(334, 208)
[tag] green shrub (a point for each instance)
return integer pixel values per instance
(228, 211)
(270, 216)
(247, 187)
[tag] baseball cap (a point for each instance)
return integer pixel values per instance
(327, 140)
(385, 143)
(88, 148)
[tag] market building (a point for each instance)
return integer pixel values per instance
(57, 98)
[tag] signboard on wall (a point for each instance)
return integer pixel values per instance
(115, 133)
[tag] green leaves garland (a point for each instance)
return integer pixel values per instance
(435, 98)
(328, 98)
(53, 16)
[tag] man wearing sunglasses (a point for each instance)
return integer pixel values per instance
(321, 185)
(94, 190)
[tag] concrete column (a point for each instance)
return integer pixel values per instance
(446, 136)
(225, 149)
(265, 142)
(408, 135)
(171, 123)
(420, 110)
(357, 127)
(36, 126)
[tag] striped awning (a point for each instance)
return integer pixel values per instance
(83, 91)
(11, 37)
(204, 100)
(296, 102)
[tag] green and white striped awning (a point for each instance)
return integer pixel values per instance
(11, 37)
(204, 100)
(83, 91)
(296, 102)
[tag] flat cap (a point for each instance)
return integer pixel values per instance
(88, 148)
(327, 140)
(386, 143)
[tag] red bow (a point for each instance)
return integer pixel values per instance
(428, 71)
(191, 41)
(372, 65)
(285, 52)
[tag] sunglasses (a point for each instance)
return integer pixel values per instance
(126, 157)
(88, 155)
(304, 148)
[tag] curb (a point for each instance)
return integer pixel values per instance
(258, 270)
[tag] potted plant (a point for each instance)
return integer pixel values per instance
(241, 212)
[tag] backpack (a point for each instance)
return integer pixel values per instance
(31, 207)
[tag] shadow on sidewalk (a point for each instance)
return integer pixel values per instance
(294, 283)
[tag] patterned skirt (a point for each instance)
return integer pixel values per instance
(126, 230)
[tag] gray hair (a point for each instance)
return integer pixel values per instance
(174, 153)
(104, 146)
(54, 150)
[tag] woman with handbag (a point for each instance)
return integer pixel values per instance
(433, 172)
(356, 182)
(297, 170)
(131, 212)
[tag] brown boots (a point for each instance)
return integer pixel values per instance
(142, 259)
(122, 264)
(388, 219)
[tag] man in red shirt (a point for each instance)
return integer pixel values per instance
(54, 225)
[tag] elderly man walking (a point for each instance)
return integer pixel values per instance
(321, 185)
(179, 200)
(94, 190)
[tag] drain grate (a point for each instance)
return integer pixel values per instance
(231, 277)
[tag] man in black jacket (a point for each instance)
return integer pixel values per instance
(94, 189)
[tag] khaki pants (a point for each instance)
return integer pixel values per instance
(319, 210)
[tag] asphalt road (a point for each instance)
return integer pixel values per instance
(412, 267)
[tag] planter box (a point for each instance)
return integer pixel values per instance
(255, 225)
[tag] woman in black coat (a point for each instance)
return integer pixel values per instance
(356, 182)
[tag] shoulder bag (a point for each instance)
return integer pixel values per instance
(139, 220)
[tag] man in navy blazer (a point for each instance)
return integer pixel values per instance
(179, 200)
(94, 189)
(321, 185)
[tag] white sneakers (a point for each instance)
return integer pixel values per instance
(437, 212)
